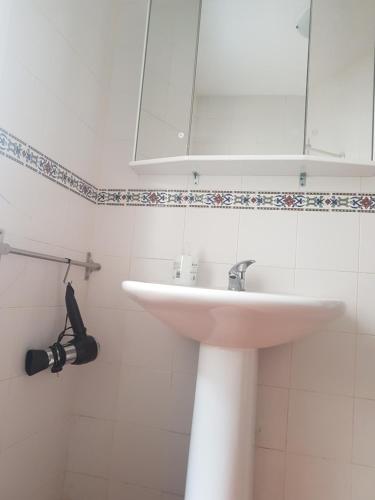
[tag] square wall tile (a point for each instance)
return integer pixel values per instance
(144, 396)
(113, 230)
(320, 425)
(365, 367)
(269, 474)
(151, 270)
(363, 483)
(274, 365)
(269, 237)
(83, 487)
(148, 342)
(365, 306)
(324, 363)
(121, 491)
(96, 389)
(158, 232)
(328, 241)
(213, 275)
(108, 327)
(269, 279)
(211, 234)
(105, 286)
(149, 457)
(310, 478)
(272, 416)
(364, 432)
(367, 243)
(332, 285)
(89, 446)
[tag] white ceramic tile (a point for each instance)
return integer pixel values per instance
(367, 244)
(151, 270)
(162, 182)
(24, 328)
(181, 402)
(324, 363)
(121, 491)
(269, 237)
(147, 342)
(312, 479)
(211, 235)
(113, 230)
(144, 396)
(364, 435)
(89, 446)
(272, 415)
(185, 355)
(270, 279)
(328, 241)
(212, 275)
(149, 457)
(27, 411)
(363, 483)
(222, 183)
(155, 398)
(320, 425)
(84, 487)
(108, 327)
(41, 459)
(366, 289)
(158, 232)
(96, 389)
(274, 366)
(365, 367)
(331, 285)
(367, 184)
(332, 184)
(269, 475)
(270, 183)
(105, 286)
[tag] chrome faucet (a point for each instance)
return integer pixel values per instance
(237, 275)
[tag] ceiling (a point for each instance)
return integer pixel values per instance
(251, 47)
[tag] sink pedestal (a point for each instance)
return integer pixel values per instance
(221, 457)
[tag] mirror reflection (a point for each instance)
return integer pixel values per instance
(229, 77)
(251, 77)
(341, 79)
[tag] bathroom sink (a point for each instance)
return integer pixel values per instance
(233, 319)
(231, 326)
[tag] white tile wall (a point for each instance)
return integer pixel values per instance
(130, 433)
(52, 82)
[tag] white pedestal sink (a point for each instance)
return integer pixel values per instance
(231, 327)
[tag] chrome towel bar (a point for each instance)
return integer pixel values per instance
(89, 264)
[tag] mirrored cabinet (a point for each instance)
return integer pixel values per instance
(258, 87)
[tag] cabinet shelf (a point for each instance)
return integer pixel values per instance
(257, 165)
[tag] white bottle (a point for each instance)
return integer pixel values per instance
(185, 271)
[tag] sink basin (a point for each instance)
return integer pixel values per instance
(231, 319)
(230, 326)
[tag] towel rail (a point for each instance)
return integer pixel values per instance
(89, 264)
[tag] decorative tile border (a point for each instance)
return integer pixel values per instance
(23, 154)
(261, 200)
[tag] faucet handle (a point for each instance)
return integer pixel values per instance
(241, 267)
(237, 275)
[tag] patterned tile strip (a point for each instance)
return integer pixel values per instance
(24, 154)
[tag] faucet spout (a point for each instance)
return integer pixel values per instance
(237, 275)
